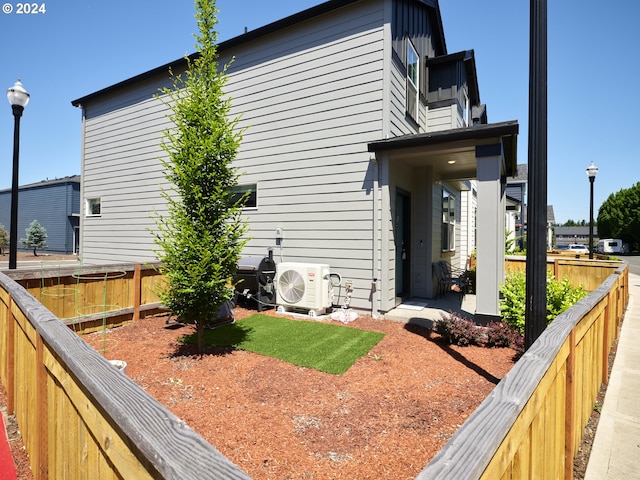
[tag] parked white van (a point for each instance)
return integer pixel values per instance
(609, 245)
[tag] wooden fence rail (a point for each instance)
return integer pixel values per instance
(531, 424)
(78, 415)
(81, 418)
(92, 298)
(588, 273)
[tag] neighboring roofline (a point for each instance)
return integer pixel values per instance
(251, 35)
(44, 183)
(522, 175)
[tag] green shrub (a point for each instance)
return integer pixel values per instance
(560, 296)
(512, 306)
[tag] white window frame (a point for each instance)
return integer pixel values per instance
(90, 205)
(466, 108)
(448, 226)
(413, 84)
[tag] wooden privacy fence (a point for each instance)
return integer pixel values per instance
(531, 424)
(588, 273)
(78, 415)
(82, 418)
(92, 298)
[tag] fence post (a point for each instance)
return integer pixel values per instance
(570, 408)
(609, 319)
(11, 358)
(42, 413)
(137, 291)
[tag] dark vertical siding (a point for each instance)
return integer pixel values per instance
(53, 205)
(413, 20)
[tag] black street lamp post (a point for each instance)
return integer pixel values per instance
(18, 98)
(536, 271)
(592, 171)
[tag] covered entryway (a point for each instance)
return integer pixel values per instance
(423, 166)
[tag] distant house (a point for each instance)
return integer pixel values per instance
(578, 234)
(367, 148)
(515, 214)
(55, 204)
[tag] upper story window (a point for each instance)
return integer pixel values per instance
(448, 232)
(466, 107)
(93, 207)
(251, 192)
(413, 79)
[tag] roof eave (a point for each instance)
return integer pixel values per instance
(507, 132)
(222, 46)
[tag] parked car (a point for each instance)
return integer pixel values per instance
(577, 248)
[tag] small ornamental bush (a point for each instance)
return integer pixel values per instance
(501, 334)
(457, 330)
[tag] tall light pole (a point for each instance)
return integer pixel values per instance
(592, 171)
(536, 270)
(18, 98)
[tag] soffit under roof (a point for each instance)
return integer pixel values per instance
(458, 146)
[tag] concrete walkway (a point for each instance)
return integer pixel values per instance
(424, 312)
(616, 448)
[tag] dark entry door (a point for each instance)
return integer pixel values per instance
(403, 241)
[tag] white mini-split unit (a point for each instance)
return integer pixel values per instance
(303, 286)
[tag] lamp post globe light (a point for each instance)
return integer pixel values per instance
(18, 98)
(592, 171)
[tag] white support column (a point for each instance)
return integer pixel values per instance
(491, 242)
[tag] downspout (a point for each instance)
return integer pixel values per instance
(82, 177)
(375, 295)
(378, 282)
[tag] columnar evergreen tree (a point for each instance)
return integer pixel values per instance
(36, 237)
(201, 238)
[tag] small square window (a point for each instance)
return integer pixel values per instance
(248, 192)
(93, 207)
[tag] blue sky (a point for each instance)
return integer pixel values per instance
(78, 47)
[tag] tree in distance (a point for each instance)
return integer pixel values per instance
(36, 237)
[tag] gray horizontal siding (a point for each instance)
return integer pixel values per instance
(310, 99)
(399, 123)
(52, 205)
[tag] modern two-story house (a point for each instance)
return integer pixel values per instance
(366, 148)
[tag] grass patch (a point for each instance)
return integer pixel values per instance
(322, 346)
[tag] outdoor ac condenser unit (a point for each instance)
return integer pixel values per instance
(304, 286)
